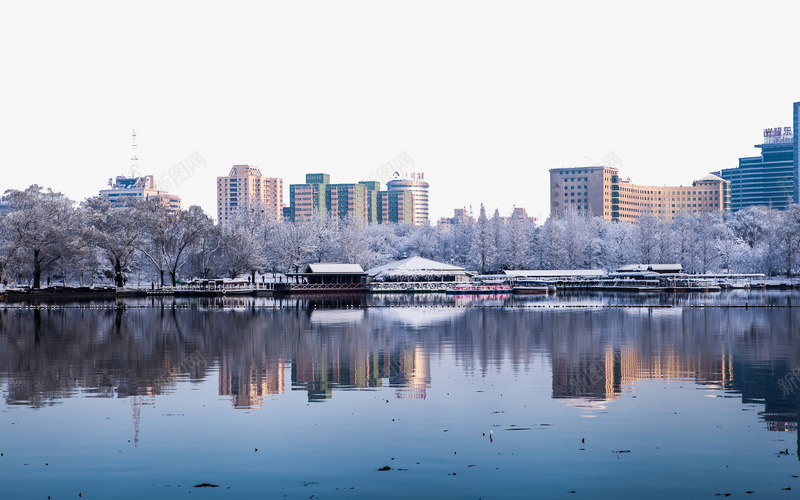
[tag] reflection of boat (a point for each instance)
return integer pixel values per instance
(533, 287)
(475, 288)
(409, 287)
(484, 297)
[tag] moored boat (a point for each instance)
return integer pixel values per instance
(533, 287)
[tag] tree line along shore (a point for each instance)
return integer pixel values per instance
(48, 239)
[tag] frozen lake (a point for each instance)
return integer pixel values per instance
(570, 396)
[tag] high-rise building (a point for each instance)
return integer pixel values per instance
(139, 188)
(246, 187)
(769, 179)
(395, 206)
(347, 202)
(599, 191)
(419, 189)
(796, 152)
(373, 187)
(310, 198)
(362, 202)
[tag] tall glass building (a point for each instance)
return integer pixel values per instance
(769, 179)
(795, 157)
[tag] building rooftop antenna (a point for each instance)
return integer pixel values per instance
(134, 156)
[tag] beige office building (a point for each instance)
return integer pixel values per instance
(602, 193)
(246, 187)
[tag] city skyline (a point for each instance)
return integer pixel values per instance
(483, 101)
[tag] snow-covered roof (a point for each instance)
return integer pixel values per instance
(414, 266)
(332, 268)
(658, 268)
(555, 273)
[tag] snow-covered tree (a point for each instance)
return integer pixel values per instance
(294, 244)
(618, 247)
(499, 257)
(351, 244)
(46, 225)
(10, 243)
(482, 251)
(323, 227)
(519, 242)
(169, 237)
(115, 231)
(649, 233)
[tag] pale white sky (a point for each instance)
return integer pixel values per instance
(485, 97)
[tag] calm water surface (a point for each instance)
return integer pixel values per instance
(572, 396)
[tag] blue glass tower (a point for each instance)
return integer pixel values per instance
(795, 157)
(771, 178)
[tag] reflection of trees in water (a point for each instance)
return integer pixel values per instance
(595, 353)
(50, 354)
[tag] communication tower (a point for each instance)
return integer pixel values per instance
(134, 156)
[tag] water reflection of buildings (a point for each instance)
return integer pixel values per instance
(737, 351)
(607, 376)
(407, 370)
(247, 383)
(596, 354)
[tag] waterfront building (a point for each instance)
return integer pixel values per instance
(244, 186)
(417, 269)
(769, 179)
(600, 191)
(325, 277)
(144, 188)
(419, 189)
